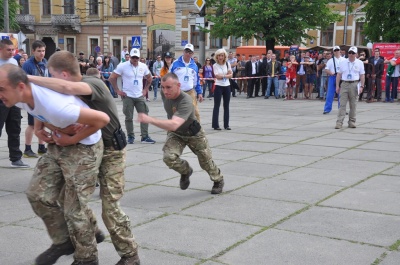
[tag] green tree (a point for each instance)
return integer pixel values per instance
(382, 20)
(281, 21)
(13, 8)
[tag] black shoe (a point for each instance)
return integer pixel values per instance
(51, 255)
(325, 112)
(217, 129)
(42, 151)
(266, 97)
(276, 97)
(234, 96)
(228, 128)
(134, 260)
(217, 187)
(185, 182)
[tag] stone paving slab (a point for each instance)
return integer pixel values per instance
(252, 146)
(371, 228)
(370, 155)
(236, 209)
(286, 190)
(283, 159)
(366, 200)
(192, 237)
(309, 150)
(393, 171)
(324, 176)
(282, 247)
(324, 141)
(382, 183)
(253, 169)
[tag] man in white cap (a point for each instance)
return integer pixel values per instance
(332, 68)
(132, 73)
(188, 73)
(350, 73)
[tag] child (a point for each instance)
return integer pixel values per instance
(291, 76)
(282, 79)
(202, 82)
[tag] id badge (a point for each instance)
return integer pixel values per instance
(224, 79)
(186, 78)
(135, 82)
(349, 77)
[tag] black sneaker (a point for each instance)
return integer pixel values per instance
(134, 260)
(217, 187)
(30, 154)
(42, 151)
(92, 262)
(19, 164)
(51, 255)
(185, 182)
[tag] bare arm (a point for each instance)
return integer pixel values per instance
(168, 125)
(93, 119)
(62, 86)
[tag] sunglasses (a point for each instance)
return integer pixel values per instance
(188, 51)
(352, 53)
(336, 50)
(134, 58)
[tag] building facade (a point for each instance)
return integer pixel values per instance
(90, 26)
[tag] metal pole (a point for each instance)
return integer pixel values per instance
(202, 37)
(345, 23)
(6, 17)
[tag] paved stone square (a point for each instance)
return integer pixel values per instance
(297, 191)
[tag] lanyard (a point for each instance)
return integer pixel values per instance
(351, 66)
(222, 70)
(133, 70)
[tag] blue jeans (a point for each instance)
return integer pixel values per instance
(208, 84)
(330, 94)
(391, 95)
(276, 86)
(155, 83)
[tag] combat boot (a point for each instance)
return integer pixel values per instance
(185, 182)
(134, 260)
(51, 255)
(99, 236)
(92, 262)
(217, 187)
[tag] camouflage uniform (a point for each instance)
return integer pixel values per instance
(112, 169)
(173, 149)
(70, 171)
(112, 182)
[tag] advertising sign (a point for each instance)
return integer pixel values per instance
(387, 51)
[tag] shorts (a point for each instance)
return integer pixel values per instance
(310, 78)
(31, 120)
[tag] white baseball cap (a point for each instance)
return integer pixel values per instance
(189, 46)
(135, 52)
(353, 49)
(336, 48)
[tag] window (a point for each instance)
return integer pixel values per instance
(71, 45)
(25, 7)
(93, 44)
(327, 36)
(235, 42)
(360, 37)
(194, 36)
(116, 49)
(215, 42)
(69, 7)
(93, 7)
(46, 7)
(133, 7)
(116, 7)
(261, 42)
(129, 44)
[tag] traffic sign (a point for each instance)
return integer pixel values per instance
(199, 4)
(184, 42)
(137, 42)
(5, 37)
(97, 49)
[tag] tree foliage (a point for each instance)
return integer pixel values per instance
(382, 20)
(281, 21)
(13, 8)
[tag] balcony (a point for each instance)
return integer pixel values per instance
(66, 23)
(26, 22)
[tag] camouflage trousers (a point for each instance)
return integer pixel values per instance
(173, 149)
(62, 183)
(112, 183)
